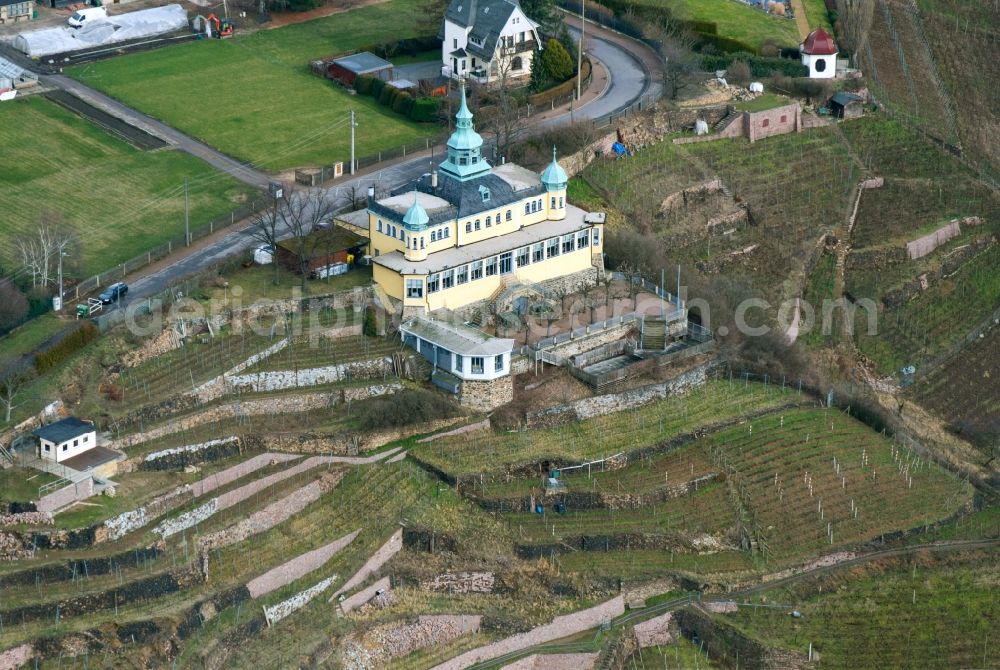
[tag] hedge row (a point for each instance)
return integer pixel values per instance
(422, 110)
(78, 339)
(759, 66)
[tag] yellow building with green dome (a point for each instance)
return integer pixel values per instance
(469, 231)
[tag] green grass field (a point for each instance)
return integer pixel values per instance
(119, 201)
(253, 96)
(735, 20)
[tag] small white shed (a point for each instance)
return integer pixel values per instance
(66, 438)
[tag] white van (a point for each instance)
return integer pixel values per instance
(86, 16)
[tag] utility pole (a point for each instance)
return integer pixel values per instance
(61, 254)
(187, 217)
(353, 126)
(579, 50)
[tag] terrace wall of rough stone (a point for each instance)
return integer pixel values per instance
(301, 565)
(127, 522)
(28, 518)
(279, 380)
(396, 640)
(560, 627)
(291, 605)
(348, 443)
(587, 408)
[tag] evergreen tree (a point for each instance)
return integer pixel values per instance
(538, 75)
(566, 39)
(557, 63)
(542, 12)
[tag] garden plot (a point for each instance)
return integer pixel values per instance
(537, 450)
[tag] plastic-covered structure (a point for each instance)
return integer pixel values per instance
(113, 29)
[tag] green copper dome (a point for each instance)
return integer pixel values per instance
(415, 218)
(554, 178)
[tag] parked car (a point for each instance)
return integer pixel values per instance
(113, 293)
(86, 16)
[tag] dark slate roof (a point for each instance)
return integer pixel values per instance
(843, 98)
(486, 18)
(465, 197)
(64, 429)
(329, 240)
(458, 53)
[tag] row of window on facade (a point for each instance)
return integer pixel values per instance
(76, 443)
(444, 232)
(502, 264)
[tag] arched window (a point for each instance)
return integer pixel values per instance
(380, 225)
(821, 65)
(489, 221)
(510, 215)
(517, 64)
(527, 208)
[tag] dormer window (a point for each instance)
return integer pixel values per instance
(485, 193)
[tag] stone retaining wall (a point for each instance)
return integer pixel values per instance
(461, 582)
(29, 518)
(127, 522)
(301, 565)
(291, 605)
(217, 387)
(278, 380)
(587, 408)
(922, 246)
(15, 657)
(560, 627)
(395, 640)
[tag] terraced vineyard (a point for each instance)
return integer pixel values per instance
(802, 475)
(935, 320)
(796, 483)
(604, 436)
(303, 353)
(916, 614)
(965, 391)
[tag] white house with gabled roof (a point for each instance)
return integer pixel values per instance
(487, 41)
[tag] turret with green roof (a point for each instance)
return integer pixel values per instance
(465, 146)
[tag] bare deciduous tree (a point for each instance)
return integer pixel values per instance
(41, 250)
(505, 119)
(14, 380)
(855, 23)
(301, 213)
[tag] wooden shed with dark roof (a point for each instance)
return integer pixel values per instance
(329, 245)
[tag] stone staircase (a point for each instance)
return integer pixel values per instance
(653, 335)
(726, 120)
